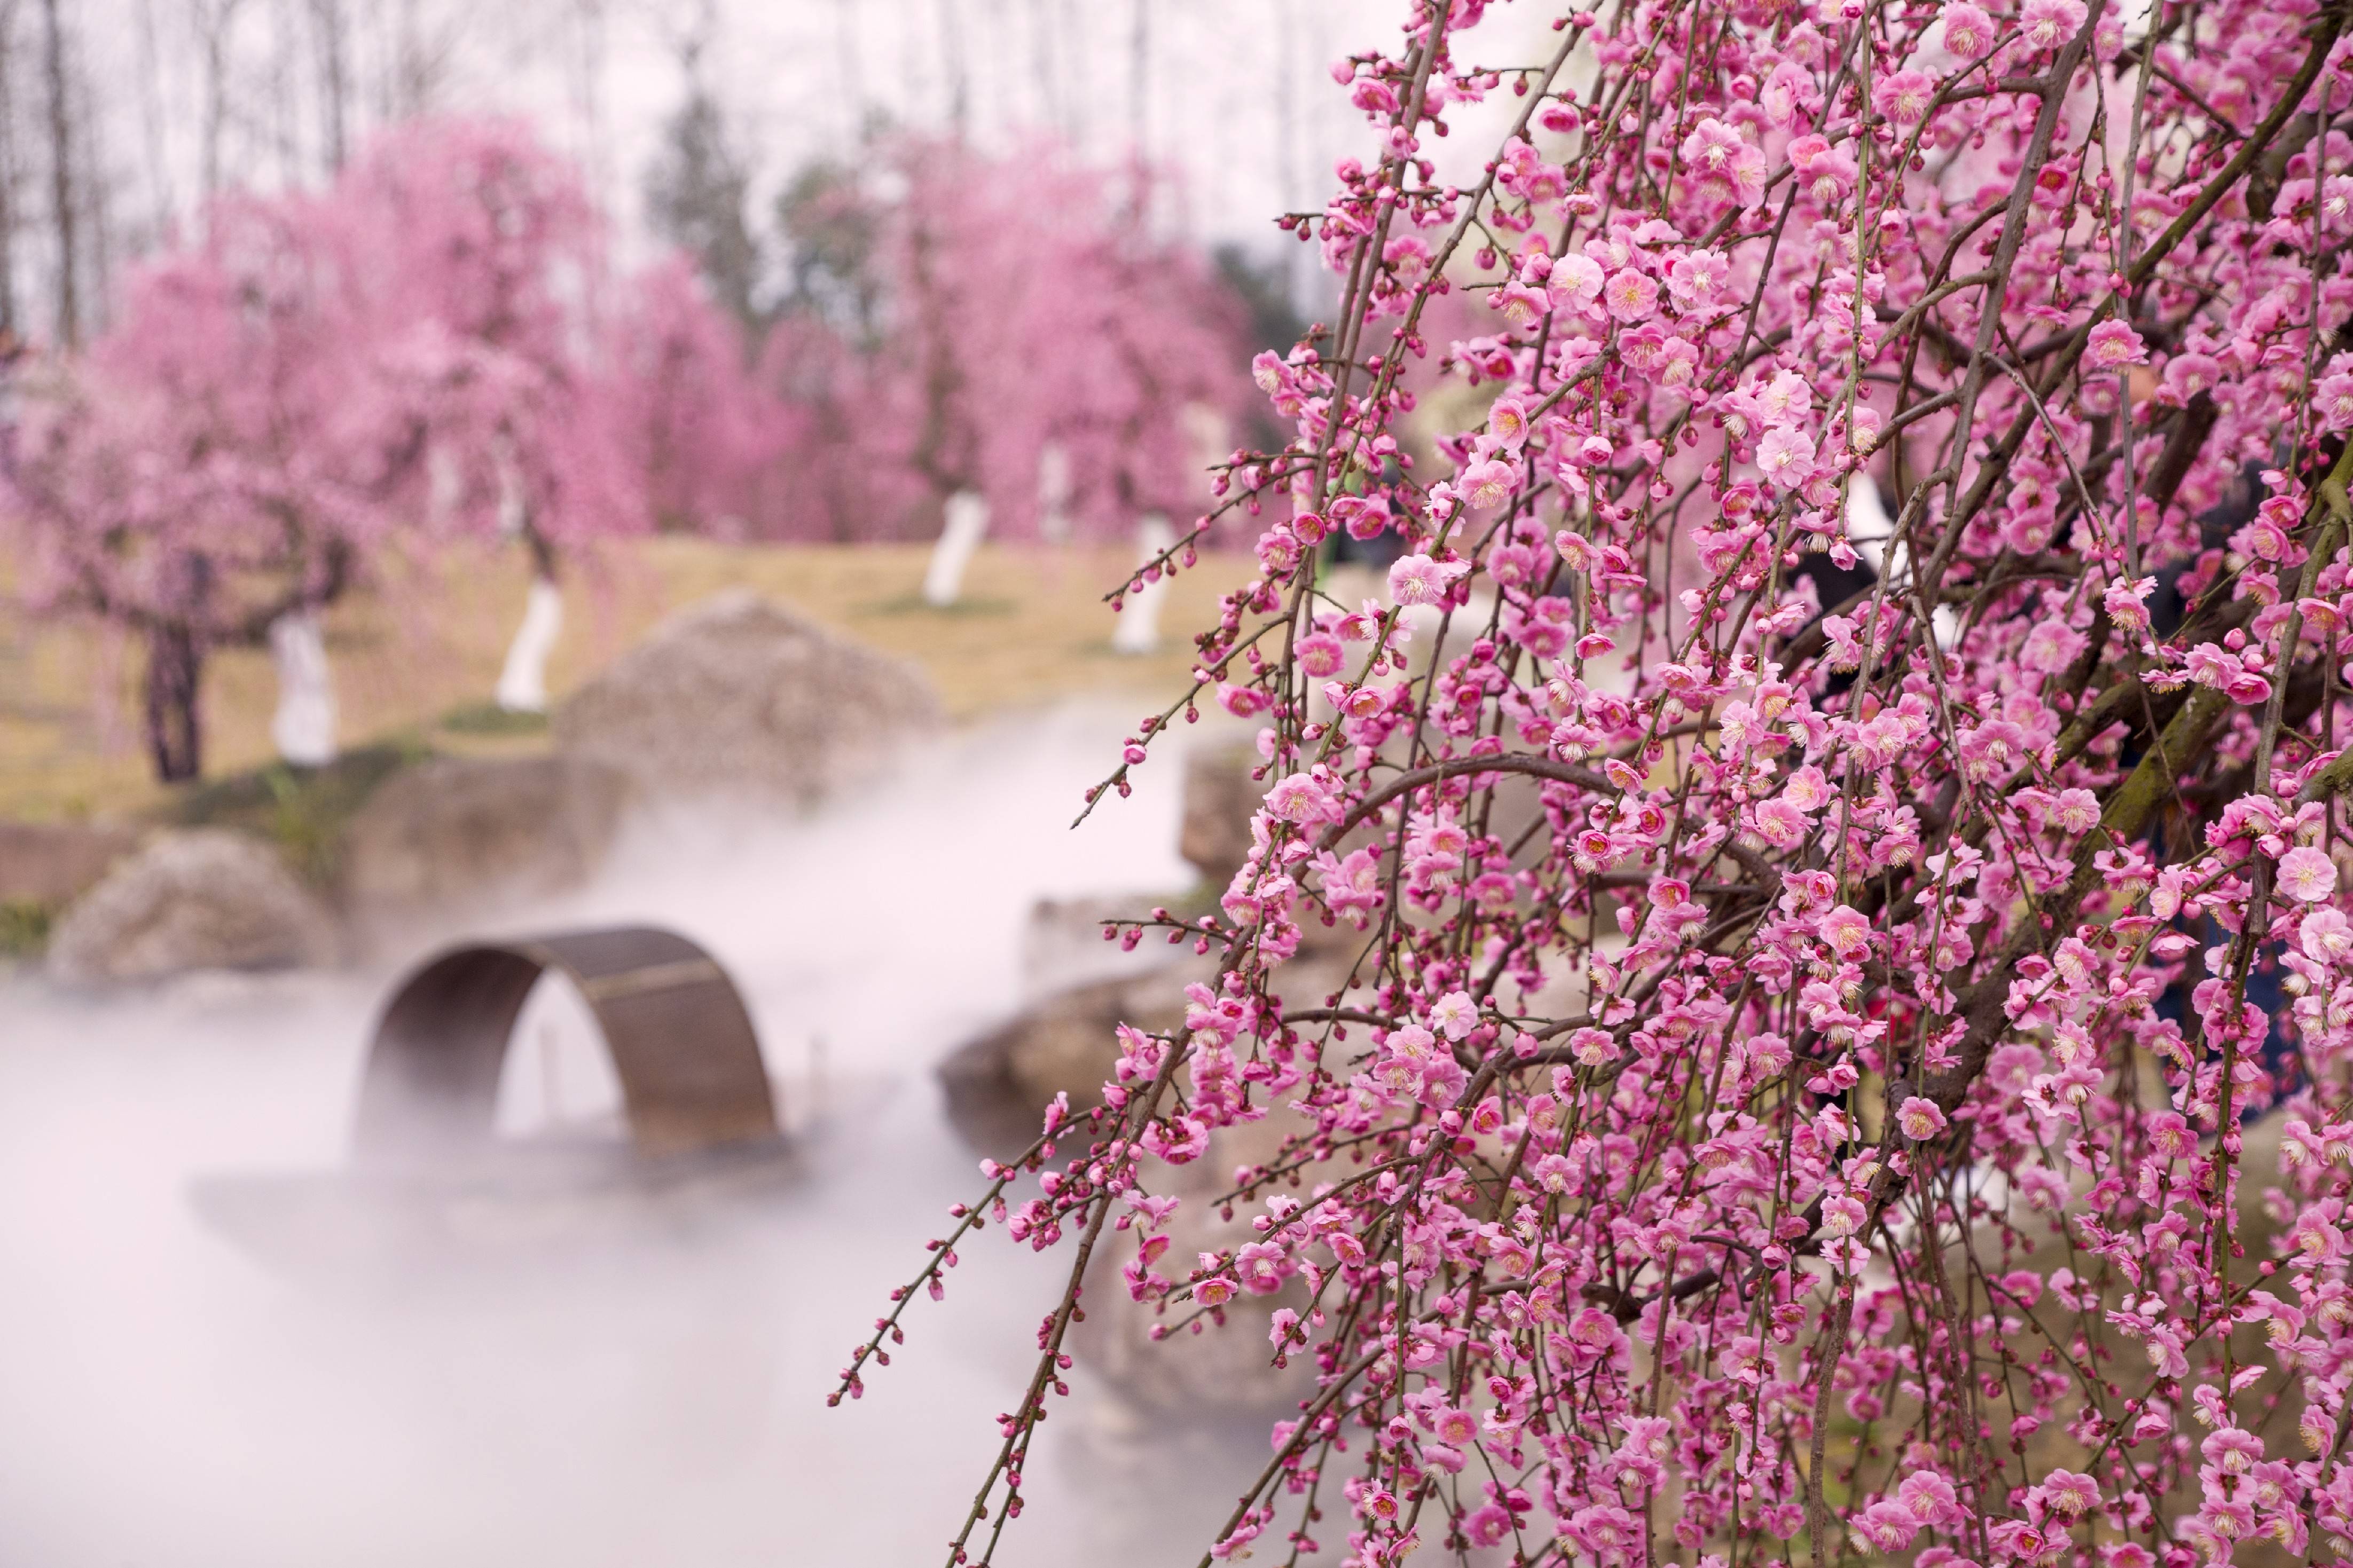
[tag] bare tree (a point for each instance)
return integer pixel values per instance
(153, 116)
(213, 21)
(420, 59)
(696, 188)
(330, 40)
(280, 98)
(852, 81)
(1042, 65)
(1139, 77)
(95, 195)
(9, 218)
(956, 69)
(62, 174)
(589, 59)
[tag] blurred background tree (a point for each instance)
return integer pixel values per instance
(294, 321)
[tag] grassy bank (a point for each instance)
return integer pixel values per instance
(415, 659)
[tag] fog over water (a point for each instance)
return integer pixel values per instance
(166, 1400)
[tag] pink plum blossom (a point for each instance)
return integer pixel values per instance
(1786, 455)
(1968, 31)
(1740, 927)
(2307, 875)
(1418, 580)
(1904, 96)
(2114, 344)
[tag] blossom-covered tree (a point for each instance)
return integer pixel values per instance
(225, 457)
(707, 437)
(1828, 1130)
(429, 350)
(967, 311)
(491, 281)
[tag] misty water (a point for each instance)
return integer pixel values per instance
(168, 1401)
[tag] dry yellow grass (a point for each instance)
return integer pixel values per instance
(1032, 627)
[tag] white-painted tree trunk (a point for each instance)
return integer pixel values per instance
(1868, 526)
(1054, 493)
(967, 520)
(522, 684)
(1139, 616)
(304, 725)
(1872, 533)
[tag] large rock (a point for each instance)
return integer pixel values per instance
(200, 899)
(470, 831)
(739, 696)
(52, 863)
(997, 1088)
(1220, 798)
(999, 1085)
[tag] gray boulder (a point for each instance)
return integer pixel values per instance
(470, 831)
(999, 1084)
(200, 899)
(739, 695)
(1220, 798)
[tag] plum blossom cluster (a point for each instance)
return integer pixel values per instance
(1846, 1049)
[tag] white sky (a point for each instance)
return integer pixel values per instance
(1239, 92)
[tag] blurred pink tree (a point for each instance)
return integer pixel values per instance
(967, 312)
(491, 299)
(492, 295)
(708, 437)
(428, 351)
(436, 349)
(226, 455)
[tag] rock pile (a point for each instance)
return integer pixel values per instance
(999, 1085)
(1219, 1370)
(1220, 798)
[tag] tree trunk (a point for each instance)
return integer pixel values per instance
(1138, 631)
(967, 520)
(174, 737)
(522, 684)
(304, 725)
(8, 170)
(1054, 493)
